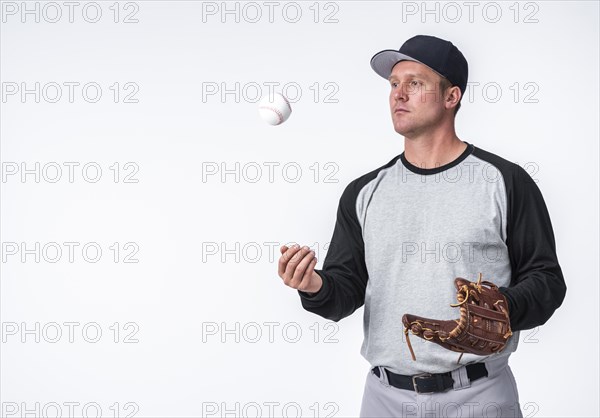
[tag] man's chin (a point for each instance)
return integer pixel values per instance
(402, 130)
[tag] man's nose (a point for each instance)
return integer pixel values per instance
(401, 93)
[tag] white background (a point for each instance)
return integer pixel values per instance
(173, 295)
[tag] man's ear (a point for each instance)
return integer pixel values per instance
(453, 96)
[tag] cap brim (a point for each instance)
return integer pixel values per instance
(383, 62)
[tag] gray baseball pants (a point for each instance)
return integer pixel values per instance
(493, 396)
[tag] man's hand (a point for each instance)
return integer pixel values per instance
(296, 268)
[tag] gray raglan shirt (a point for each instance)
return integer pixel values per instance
(404, 233)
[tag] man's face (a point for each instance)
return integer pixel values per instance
(415, 100)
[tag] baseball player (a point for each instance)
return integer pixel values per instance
(446, 243)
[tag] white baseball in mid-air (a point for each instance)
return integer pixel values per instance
(274, 109)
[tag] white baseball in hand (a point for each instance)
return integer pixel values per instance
(274, 109)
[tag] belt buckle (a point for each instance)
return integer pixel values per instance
(420, 375)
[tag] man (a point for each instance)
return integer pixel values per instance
(442, 209)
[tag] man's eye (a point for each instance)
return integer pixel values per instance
(415, 83)
(394, 84)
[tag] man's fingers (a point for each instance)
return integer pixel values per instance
(285, 258)
(294, 258)
(298, 272)
(296, 264)
(306, 278)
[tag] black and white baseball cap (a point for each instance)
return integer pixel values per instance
(438, 54)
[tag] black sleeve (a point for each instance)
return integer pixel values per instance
(537, 286)
(344, 270)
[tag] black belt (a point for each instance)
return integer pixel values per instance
(429, 383)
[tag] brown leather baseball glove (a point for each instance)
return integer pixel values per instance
(483, 327)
